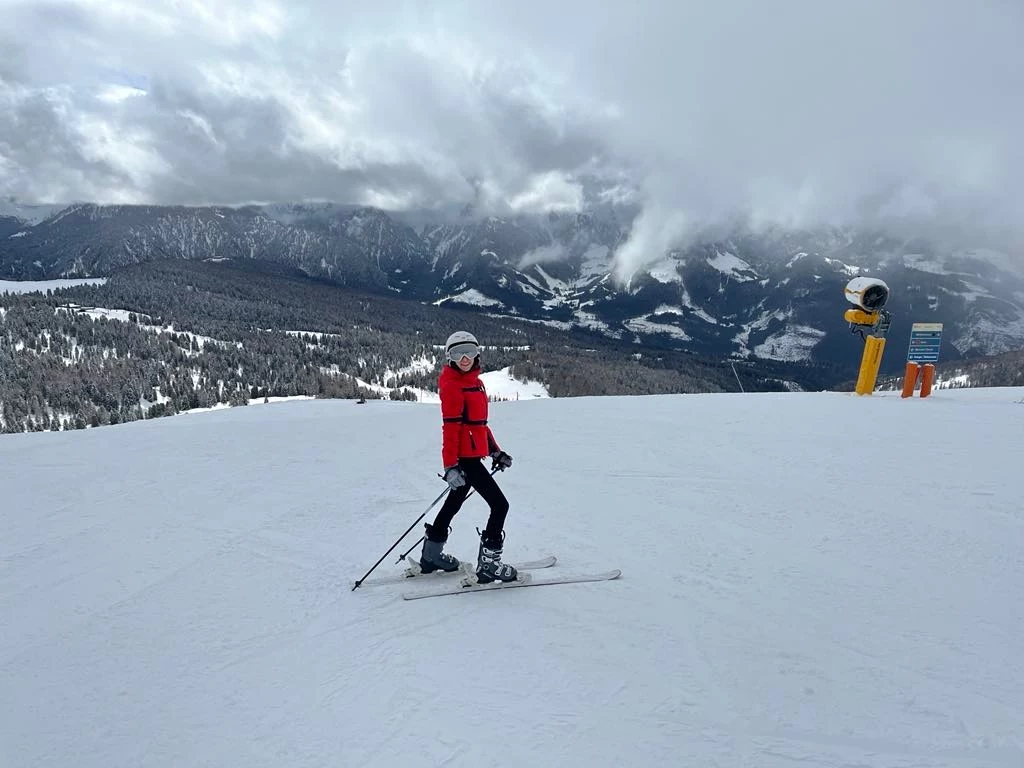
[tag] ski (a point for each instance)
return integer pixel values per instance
(469, 584)
(466, 569)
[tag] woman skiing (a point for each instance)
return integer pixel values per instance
(466, 439)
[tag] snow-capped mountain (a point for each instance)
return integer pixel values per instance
(10, 208)
(776, 295)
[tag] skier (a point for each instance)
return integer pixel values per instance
(466, 439)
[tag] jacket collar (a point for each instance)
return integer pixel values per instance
(472, 375)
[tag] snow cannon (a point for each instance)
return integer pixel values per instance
(868, 293)
(871, 321)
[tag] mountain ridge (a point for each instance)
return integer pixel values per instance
(774, 294)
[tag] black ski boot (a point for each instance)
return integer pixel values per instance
(433, 557)
(488, 562)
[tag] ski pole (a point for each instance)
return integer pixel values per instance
(419, 541)
(415, 522)
(402, 556)
(422, 515)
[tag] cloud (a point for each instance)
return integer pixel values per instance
(800, 114)
(546, 254)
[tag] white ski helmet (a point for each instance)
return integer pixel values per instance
(459, 344)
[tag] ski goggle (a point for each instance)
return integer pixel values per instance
(465, 349)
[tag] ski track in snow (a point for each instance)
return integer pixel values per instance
(808, 579)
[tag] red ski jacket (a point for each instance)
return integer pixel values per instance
(464, 430)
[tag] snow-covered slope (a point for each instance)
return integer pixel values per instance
(28, 286)
(809, 579)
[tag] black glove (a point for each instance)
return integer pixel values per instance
(455, 477)
(500, 460)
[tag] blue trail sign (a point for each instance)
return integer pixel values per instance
(925, 341)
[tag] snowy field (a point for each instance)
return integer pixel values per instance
(808, 579)
(42, 286)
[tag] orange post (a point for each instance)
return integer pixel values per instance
(927, 377)
(910, 379)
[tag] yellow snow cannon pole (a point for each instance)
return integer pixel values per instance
(874, 346)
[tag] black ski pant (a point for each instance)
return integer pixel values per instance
(477, 477)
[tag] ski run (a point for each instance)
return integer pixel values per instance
(810, 579)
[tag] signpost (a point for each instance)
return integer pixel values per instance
(923, 353)
(925, 341)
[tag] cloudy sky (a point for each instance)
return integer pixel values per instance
(795, 112)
